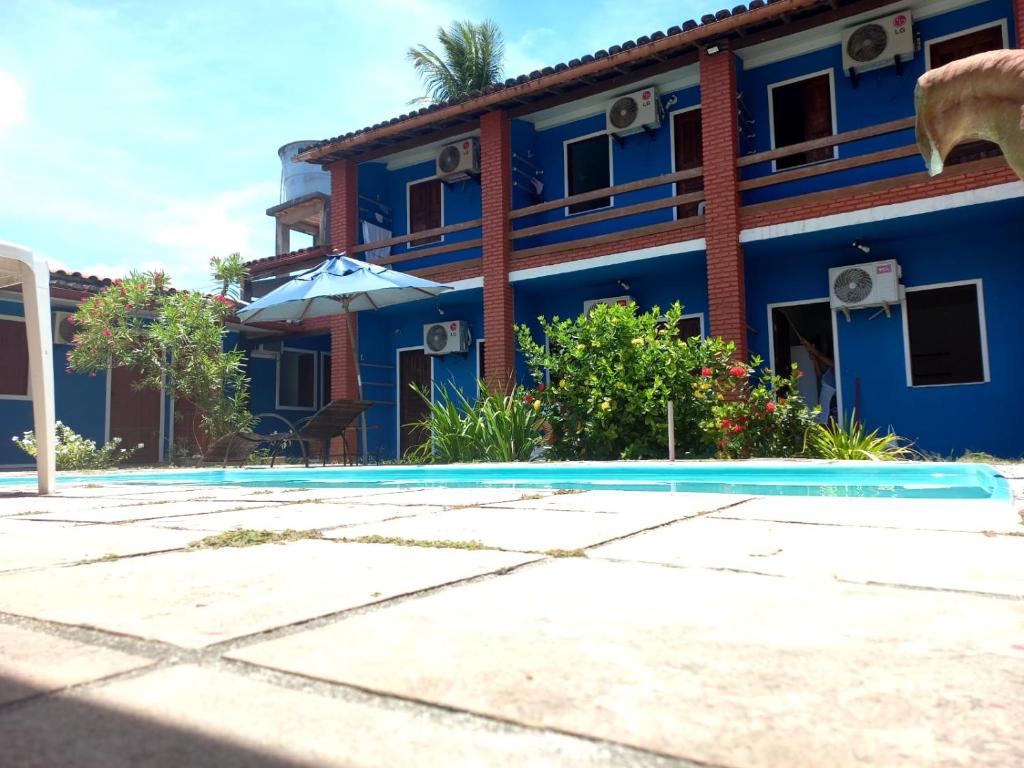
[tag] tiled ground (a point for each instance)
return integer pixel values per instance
(492, 627)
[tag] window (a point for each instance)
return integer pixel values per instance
(426, 210)
(942, 52)
(944, 330)
(588, 167)
(688, 326)
(296, 379)
(14, 371)
(802, 111)
(325, 379)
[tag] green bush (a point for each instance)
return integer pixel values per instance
(77, 452)
(497, 427)
(852, 442)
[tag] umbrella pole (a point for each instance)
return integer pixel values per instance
(359, 379)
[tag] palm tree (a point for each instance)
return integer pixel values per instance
(471, 59)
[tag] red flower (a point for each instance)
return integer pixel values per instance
(106, 333)
(798, 373)
(528, 399)
(738, 428)
(117, 281)
(67, 370)
(541, 387)
(71, 319)
(706, 372)
(737, 371)
(726, 423)
(770, 407)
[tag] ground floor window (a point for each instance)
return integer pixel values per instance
(945, 335)
(325, 379)
(296, 379)
(14, 371)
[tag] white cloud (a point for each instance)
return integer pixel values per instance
(13, 110)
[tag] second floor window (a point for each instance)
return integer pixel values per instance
(588, 167)
(426, 210)
(802, 111)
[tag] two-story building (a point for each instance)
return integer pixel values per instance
(735, 164)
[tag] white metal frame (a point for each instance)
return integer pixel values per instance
(28, 376)
(408, 210)
(565, 170)
(1001, 23)
(672, 146)
(771, 111)
(398, 391)
(982, 333)
(277, 380)
(835, 345)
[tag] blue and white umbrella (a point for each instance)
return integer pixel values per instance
(340, 285)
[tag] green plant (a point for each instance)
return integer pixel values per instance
(77, 452)
(172, 339)
(497, 427)
(851, 441)
(248, 537)
(470, 60)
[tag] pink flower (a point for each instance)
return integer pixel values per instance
(798, 373)
(770, 407)
(107, 333)
(67, 370)
(737, 371)
(706, 373)
(71, 319)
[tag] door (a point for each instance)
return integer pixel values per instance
(135, 415)
(413, 368)
(803, 334)
(689, 153)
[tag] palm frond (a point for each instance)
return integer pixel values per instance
(469, 59)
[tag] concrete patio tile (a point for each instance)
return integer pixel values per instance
(143, 510)
(625, 502)
(32, 663)
(518, 529)
(934, 559)
(39, 544)
(191, 716)
(296, 516)
(456, 497)
(200, 597)
(911, 514)
(725, 668)
(21, 504)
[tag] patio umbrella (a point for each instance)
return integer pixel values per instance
(340, 285)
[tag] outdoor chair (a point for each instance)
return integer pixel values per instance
(331, 421)
(237, 447)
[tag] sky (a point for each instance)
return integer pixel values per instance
(144, 135)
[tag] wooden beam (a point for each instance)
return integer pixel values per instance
(614, 237)
(426, 234)
(831, 166)
(827, 141)
(612, 213)
(422, 254)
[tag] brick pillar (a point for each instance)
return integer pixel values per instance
(1018, 17)
(344, 233)
(496, 194)
(726, 295)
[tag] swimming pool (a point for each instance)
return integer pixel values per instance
(913, 480)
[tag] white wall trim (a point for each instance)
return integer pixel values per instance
(28, 373)
(565, 171)
(469, 284)
(398, 392)
(1001, 23)
(982, 333)
(408, 211)
(771, 111)
(623, 257)
(991, 194)
(277, 380)
(835, 345)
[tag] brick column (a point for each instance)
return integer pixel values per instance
(1018, 17)
(496, 194)
(726, 295)
(344, 233)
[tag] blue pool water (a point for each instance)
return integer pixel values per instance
(915, 480)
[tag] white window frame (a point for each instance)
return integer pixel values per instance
(982, 334)
(835, 345)
(672, 148)
(277, 380)
(408, 211)
(690, 316)
(565, 171)
(771, 113)
(1001, 23)
(398, 391)
(28, 376)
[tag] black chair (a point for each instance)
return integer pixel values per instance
(331, 421)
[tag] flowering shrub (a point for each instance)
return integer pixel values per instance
(171, 338)
(761, 414)
(77, 452)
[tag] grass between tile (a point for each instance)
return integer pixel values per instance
(564, 553)
(248, 537)
(401, 542)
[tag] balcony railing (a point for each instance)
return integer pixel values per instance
(422, 252)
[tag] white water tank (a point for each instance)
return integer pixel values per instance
(298, 179)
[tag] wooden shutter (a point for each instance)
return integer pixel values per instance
(14, 347)
(425, 209)
(689, 150)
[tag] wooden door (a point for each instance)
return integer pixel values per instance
(989, 39)
(413, 368)
(135, 415)
(689, 151)
(425, 211)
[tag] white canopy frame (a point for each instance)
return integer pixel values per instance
(19, 266)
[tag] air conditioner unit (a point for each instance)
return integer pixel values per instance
(622, 301)
(634, 112)
(63, 328)
(444, 338)
(459, 161)
(878, 43)
(876, 284)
